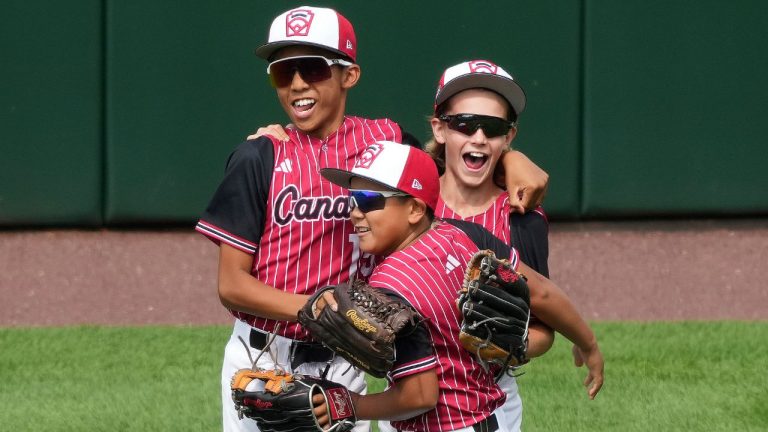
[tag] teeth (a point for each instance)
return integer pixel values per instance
(361, 229)
(476, 154)
(303, 102)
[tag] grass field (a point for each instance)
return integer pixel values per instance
(691, 376)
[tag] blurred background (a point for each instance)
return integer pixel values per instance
(116, 119)
(122, 113)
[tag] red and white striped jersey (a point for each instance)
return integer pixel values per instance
(528, 232)
(429, 274)
(301, 239)
(495, 219)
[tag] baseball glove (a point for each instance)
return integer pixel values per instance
(286, 402)
(494, 303)
(364, 327)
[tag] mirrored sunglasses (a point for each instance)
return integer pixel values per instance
(367, 200)
(468, 124)
(311, 68)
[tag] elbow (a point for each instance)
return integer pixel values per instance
(545, 178)
(426, 401)
(539, 289)
(431, 402)
(417, 403)
(226, 294)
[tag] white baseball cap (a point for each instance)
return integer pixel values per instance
(396, 166)
(480, 74)
(307, 25)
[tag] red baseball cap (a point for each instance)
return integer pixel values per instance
(307, 25)
(396, 166)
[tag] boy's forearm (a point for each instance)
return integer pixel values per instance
(249, 295)
(240, 291)
(408, 397)
(552, 306)
(390, 405)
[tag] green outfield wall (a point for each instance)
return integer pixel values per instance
(120, 112)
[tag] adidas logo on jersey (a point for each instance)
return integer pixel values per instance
(416, 185)
(451, 264)
(285, 166)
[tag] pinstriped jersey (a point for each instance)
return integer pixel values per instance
(428, 274)
(528, 233)
(495, 219)
(295, 223)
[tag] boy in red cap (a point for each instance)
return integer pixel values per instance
(393, 192)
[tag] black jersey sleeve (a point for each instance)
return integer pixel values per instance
(530, 236)
(483, 238)
(409, 139)
(237, 212)
(413, 347)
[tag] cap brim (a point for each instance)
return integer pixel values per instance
(267, 50)
(344, 178)
(504, 86)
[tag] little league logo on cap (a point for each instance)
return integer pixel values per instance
(396, 166)
(480, 74)
(369, 155)
(482, 66)
(306, 25)
(298, 22)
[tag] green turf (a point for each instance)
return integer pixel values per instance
(111, 379)
(661, 376)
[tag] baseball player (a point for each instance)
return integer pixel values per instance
(394, 191)
(276, 219)
(476, 110)
(281, 228)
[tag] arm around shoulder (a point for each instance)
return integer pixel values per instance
(524, 180)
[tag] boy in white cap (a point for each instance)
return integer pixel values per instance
(477, 106)
(282, 229)
(393, 192)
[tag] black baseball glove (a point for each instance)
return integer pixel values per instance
(495, 307)
(364, 327)
(286, 402)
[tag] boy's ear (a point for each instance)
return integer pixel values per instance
(511, 135)
(350, 76)
(418, 211)
(437, 130)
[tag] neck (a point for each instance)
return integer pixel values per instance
(323, 133)
(332, 125)
(467, 200)
(416, 233)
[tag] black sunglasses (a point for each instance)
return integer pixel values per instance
(468, 124)
(367, 200)
(311, 68)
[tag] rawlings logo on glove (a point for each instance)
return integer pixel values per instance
(363, 328)
(361, 324)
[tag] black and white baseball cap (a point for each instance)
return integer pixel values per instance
(480, 74)
(307, 25)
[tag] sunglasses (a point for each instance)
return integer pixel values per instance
(311, 68)
(368, 201)
(468, 124)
